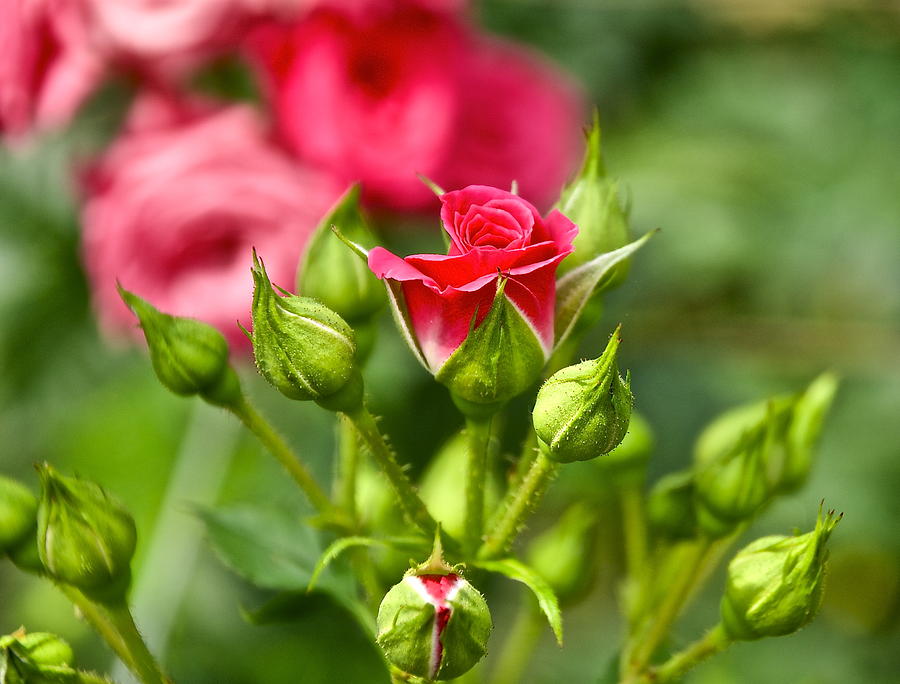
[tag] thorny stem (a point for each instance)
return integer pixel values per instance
(143, 662)
(101, 623)
(714, 641)
(516, 505)
(478, 433)
(260, 427)
(411, 503)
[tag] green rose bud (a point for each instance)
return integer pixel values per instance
(670, 506)
(43, 648)
(808, 416)
(332, 273)
(36, 658)
(583, 411)
(564, 554)
(189, 356)
(592, 202)
(774, 584)
(732, 487)
(303, 348)
(18, 514)
(86, 538)
(434, 626)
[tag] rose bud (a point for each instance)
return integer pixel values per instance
(303, 348)
(564, 554)
(86, 538)
(188, 356)
(481, 318)
(732, 487)
(582, 411)
(670, 506)
(806, 425)
(18, 514)
(434, 624)
(43, 649)
(333, 274)
(592, 202)
(774, 584)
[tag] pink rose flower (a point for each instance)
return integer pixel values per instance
(46, 65)
(176, 204)
(398, 90)
(493, 233)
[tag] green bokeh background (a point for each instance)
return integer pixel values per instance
(762, 137)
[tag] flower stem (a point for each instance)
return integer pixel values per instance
(637, 655)
(101, 623)
(634, 532)
(516, 505)
(348, 465)
(144, 664)
(412, 505)
(714, 641)
(478, 433)
(276, 445)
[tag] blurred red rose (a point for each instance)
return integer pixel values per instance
(46, 65)
(382, 95)
(176, 204)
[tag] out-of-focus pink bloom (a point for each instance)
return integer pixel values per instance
(176, 204)
(397, 90)
(46, 65)
(166, 37)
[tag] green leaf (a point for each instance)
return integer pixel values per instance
(576, 287)
(290, 606)
(271, 548)
(518, 571)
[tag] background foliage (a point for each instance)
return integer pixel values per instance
(761, 137)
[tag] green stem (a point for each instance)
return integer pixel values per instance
(675, 597)
(713, 642)
(144, 664)
(101, 623)
(91, 678)
(478, 433)
(516, 506)
(412, 505)
(634, 532)
(260, 427)
(348, 465)
(519, 645)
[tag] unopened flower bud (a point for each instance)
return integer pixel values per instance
(434, 624)
(303, 348)
(18, 514)
(44, 649)
(732, 487)
(670, 506)
(86, 538)
(808, 416)
(563, 555)
(332, 273)
(592, 202)
(582, 411)
(775, 584)
(188, 356)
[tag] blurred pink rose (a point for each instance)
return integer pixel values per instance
(46, 65)
(176, 204)
(382, 95)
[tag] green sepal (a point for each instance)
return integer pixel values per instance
(592, 202)
(498, 360)
(575, 290)
(774, 585)
(189, 356)
(332, 273)
(86, 537)
(302, 348)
